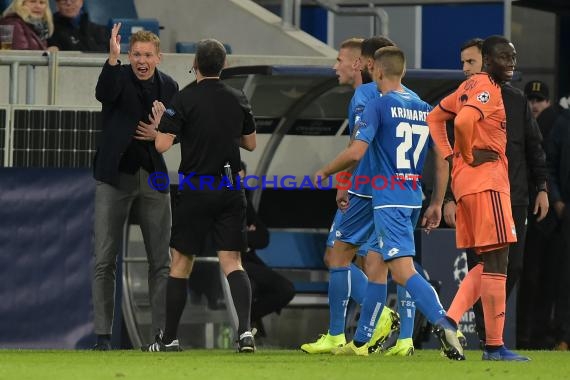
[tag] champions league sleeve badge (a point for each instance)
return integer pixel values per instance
(483, 97)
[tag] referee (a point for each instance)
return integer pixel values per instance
(211, 121)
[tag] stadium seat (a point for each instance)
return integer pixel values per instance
(190, 47)
(101, 11)
(3, 5)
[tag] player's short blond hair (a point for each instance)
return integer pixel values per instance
(352, 43)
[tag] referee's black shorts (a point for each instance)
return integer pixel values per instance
(198, 214)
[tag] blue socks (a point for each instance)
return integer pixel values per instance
(359, 282)
(370, 312)
(339, 292)
(407, 311)
(425, 297)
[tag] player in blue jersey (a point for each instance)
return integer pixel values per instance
(394, 127)
(353, 223)
(362, 221)
(406, 307)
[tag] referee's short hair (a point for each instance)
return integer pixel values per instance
(210, 57)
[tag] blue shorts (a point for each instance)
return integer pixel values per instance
(394, 228)
(332, 232)
(355, 225)
(370, 245)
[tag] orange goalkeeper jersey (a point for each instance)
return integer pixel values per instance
(489, 132)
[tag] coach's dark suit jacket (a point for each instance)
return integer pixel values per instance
(123, 107)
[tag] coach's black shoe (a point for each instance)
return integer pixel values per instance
(160, 346)
(447, 336)
(246, 343)
(102, 346)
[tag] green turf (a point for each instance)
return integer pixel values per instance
(270, 364)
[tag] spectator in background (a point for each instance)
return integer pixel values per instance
(33, 24)
(545, 113)
(74, 31)
(270, 291)
(558, 156)
(537, 296)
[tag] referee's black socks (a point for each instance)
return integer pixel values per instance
(241, 295)
(176, 294)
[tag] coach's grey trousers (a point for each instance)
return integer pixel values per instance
(112, 209)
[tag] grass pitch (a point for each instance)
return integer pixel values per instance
(270, 364)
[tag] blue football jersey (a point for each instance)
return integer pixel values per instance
(395, 128)
(362, 95)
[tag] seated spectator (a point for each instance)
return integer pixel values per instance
(33, 24)
(270, 291)
(74, 31)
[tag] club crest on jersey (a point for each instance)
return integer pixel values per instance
(483, 97)
(170, 112)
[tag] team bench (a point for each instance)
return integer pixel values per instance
(298, 255)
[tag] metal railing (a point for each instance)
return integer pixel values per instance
(291, 13)
(381, 19)
(52, 60)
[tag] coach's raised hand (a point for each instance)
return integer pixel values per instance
(115, 45)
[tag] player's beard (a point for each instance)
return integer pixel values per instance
(366, 77)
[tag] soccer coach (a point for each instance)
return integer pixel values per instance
(212, 121)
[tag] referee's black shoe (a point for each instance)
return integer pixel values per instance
(160, 346)
(246, 343)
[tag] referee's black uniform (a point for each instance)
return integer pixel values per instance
(209, 119)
